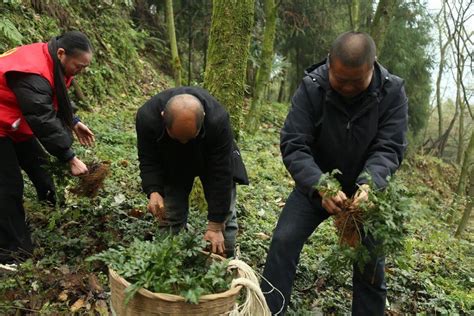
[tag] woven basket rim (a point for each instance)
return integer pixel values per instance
(172, 297)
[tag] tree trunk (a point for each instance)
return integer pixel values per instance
(460, 135)
(467, 212)
(442, 62)
(173, 45)
(228, 49)
(468, 156)
(266, 61)
(354, 14)
(463, 177)
(460, 103)
(190, 48)
(250, 79)
(445, 137)
(204, 64)
(294, 74)
(381, 22)
(281, 92)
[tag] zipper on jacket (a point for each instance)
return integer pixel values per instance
(348, 134)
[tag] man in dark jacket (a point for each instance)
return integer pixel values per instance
(183, 133)
(348, 114)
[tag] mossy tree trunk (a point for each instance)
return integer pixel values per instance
(381, 21)
(266, 61)
(354, 14)
(228, 50)
(173, 45)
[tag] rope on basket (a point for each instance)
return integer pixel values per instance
(254, 303)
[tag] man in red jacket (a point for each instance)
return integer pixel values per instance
(34, 105)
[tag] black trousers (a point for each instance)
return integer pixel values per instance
(14, 232)
(298, 220)
(32, 159)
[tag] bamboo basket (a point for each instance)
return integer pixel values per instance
(145, 302)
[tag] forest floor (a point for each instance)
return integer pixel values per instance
(432, 276)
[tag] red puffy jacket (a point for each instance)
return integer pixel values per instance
(34, 59)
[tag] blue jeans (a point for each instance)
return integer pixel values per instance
(298, 220)
(176, 198)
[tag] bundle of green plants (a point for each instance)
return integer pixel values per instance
(382, 218)
(173, 264)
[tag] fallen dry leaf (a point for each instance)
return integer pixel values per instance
(80, 303)
(63, 296)
(262, 236)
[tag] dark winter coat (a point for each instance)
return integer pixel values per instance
(322, 132)
(212, 155)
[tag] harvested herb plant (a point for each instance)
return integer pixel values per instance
(383, 216)
(173, 264)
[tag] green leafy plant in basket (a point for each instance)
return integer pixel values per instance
(173, 264)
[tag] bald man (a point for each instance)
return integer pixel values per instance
(185, 133)
(349, 113)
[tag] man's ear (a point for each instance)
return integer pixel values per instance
(162, 113)
(61, 53)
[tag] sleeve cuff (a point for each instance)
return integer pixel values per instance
(215, 227)
(376, 181)
(75, 120)
(67, 155)
(150, 190)
(217, 218)
(362, 180)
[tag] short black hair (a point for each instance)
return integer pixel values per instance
(169, 114)
(353, 49)
(73, 42)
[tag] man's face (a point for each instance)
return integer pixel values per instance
(349, 81)
(74, 64)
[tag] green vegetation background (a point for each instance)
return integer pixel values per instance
(432, 276)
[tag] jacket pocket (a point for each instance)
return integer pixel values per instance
(239, 172)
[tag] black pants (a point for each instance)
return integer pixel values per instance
(32, 159)
(298, 220)
(29, 156)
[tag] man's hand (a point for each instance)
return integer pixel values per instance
(362, 195)
(215, 236)
(78, 168)
(333, 204)
(84, 134)
(156, 206)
